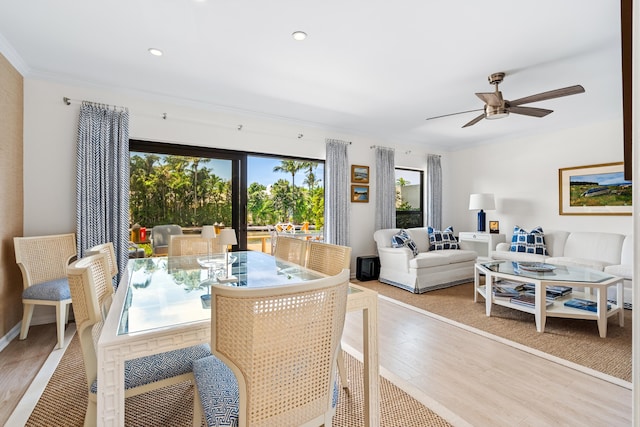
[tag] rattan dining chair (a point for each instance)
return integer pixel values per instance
(193, 244)
(291, 249)
(274, 354)
(90, 286)
(330, 259)
(43, 262)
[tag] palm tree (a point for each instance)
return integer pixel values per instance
(292, 167)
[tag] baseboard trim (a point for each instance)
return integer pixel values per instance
(14, 332)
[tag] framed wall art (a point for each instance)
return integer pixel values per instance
(360, 193)
(360, 174)
(494, 227)
(595, 190)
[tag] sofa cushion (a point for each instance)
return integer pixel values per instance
(441, 257)
(531, 242)
(440, 240)
(621, 270)
(402, 239)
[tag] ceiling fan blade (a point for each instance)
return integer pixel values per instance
(474, 121)
(453, 114)
(530, 111)
(490, 98)
(571, 90)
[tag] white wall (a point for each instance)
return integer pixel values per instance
(50, 131)
(523, 175)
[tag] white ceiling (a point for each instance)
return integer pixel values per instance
(374, 68)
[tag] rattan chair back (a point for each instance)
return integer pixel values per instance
(291, 249)
(44, 258)
(192, 244)
(328, 258)
(281, 343)
(108, 250)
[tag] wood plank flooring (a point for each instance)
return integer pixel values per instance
(481, 381)
(484, 382)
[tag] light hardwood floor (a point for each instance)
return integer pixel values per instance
(485, 382)
(467, 378)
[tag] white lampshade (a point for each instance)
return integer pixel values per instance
(482, 201)
(208, 232)
(227, 236)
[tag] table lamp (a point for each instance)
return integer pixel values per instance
(482, 201)
(227, 237)
(208, 233)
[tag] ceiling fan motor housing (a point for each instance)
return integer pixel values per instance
(492, 112)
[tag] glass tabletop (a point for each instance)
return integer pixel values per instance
(550, 272)
(167, 291)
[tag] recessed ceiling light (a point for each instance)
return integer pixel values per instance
(299, 35)
(155, 52)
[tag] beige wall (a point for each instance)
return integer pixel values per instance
(11, 193)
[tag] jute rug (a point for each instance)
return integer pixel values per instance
(573, 340)
(64, 401)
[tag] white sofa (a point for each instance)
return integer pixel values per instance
(426, 271)
(609, 252)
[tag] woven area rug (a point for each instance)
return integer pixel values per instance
(64, 401)
(573, 340)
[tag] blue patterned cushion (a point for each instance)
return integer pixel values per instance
(218, 391)
(439, 240)
(157, 367)
(54, 290)
(529, 242)
(402, 239)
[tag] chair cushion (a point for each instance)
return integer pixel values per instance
(444, 239)
(53, 290)
(157, 367)
(402, 239)
(218, 391)
(531, 242)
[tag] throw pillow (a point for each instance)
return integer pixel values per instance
(531, 242)
(402, 239)
(439, 240)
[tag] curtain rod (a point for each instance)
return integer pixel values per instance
(69, 101)
(388, 148)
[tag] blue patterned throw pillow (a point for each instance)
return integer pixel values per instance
(439, 240)
(531, 242)
(402, 239)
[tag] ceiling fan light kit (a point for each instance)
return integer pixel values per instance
(496, 107)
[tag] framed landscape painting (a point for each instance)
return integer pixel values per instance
(360, 174)
(595, 190)
(360, 193)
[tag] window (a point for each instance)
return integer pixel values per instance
(409, 198)
(192, 186)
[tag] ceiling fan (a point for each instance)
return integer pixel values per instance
(496, 107)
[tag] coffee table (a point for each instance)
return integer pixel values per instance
(555, 275)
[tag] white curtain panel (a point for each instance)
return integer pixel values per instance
(102, 181)
(434, 192)
(385, 188)
(336, 193)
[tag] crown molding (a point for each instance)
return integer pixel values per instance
(13, 57)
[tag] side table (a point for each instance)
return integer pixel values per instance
(481, 242)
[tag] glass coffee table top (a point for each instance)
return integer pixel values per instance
(543, 271)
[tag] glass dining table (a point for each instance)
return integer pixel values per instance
(163, 303)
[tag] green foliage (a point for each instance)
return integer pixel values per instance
(183, 190)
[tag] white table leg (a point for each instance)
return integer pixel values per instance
(602, 311)
(371, 367)
(488, 288)
(110, 389)
(620, 301)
